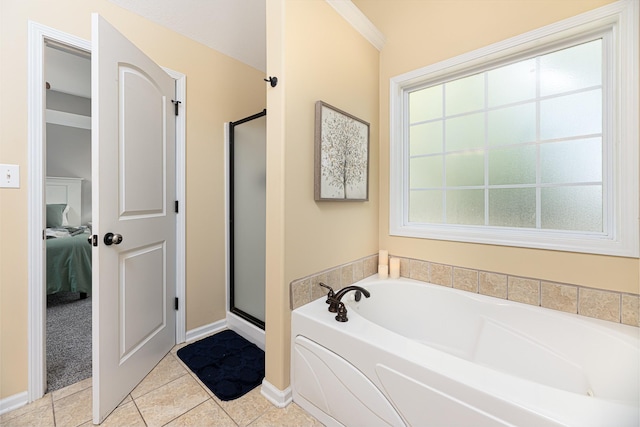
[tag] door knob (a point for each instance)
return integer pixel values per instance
(112, 239)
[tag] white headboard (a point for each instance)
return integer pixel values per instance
(66, 191)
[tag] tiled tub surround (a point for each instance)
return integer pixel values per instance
(305, 290)
(600, 304)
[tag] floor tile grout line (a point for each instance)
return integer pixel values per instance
(53, 411)
(161, 385)
(259, 416)
(206, 389)
(215, 398)
(74, 393)
(139, 412)
(155, 388)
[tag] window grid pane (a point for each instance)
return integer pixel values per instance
(511, 136)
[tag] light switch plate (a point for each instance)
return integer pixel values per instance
(9, 176)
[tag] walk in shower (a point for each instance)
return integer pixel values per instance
(247, 218)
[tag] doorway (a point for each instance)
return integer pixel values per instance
(67, 73)
(247, 218)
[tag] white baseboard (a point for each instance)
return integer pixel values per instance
(246, 329)
(279, 398)
(203, 331)
(13, 402)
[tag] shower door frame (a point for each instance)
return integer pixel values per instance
(232, 308)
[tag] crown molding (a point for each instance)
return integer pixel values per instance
(359, 21)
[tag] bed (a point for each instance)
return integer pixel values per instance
(68, 250)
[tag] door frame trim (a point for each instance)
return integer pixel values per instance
(37, 34)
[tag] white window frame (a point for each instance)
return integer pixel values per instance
(621, 235)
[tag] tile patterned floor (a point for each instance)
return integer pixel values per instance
(171, 395)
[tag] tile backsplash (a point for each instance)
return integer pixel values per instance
(571, 298)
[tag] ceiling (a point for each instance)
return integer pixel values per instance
(236, 28)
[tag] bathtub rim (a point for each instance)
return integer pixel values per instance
(624, 330)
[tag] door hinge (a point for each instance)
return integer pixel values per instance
(176, 304)
(176, 206)
(44, 235)
(175, 104)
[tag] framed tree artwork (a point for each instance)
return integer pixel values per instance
(341, 155)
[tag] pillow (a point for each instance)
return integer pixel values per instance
(56, 215)
(65, 216)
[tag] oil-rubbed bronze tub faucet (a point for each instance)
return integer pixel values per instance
(337, 306)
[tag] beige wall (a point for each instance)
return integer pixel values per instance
(323, 58)
(317, 56)
(421, 33)
(219, 89)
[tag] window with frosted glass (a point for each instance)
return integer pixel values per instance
(516, 146)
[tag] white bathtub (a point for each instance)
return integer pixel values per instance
(424, 355)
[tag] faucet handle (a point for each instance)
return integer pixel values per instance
(342, 313)
(330, 294)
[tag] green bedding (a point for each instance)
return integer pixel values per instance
(69, 264)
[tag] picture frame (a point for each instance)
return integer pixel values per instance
(341, 155)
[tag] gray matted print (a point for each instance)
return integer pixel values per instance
(341, 155)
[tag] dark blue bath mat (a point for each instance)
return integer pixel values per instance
(225, 362)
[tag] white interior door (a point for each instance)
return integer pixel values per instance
(133, 159)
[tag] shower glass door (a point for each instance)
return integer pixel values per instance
(247, 155)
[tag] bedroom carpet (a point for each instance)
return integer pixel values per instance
(226, 363)
(68, 339)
